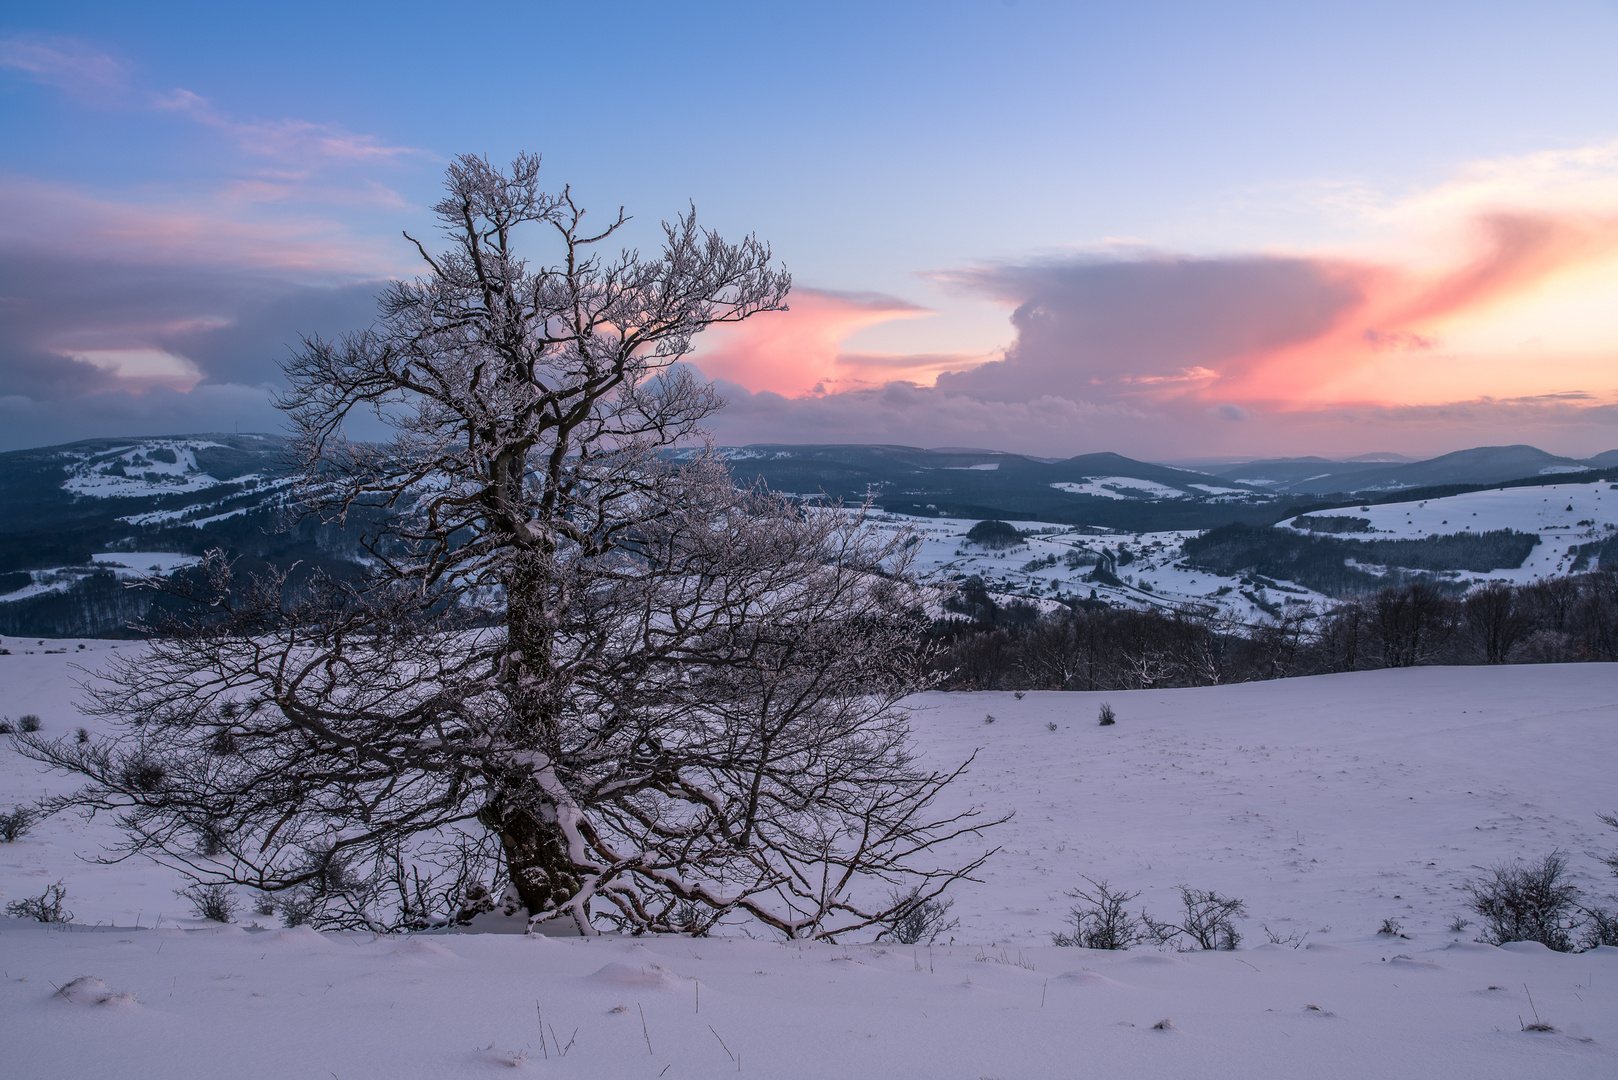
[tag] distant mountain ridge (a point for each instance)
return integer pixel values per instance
(1112, 490)
(1479, 465)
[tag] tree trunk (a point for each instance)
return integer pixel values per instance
(536, 855)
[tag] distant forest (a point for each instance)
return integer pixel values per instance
(97, 604)
(1321, 563)
(983, 644)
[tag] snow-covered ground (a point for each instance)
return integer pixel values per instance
(1328, 804)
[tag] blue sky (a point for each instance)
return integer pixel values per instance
(185, 187)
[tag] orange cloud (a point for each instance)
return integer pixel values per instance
(1403, 316)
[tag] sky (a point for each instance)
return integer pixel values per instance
(1177, 231)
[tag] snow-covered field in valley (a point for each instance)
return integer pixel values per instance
(1327, 804)
(1564, 516)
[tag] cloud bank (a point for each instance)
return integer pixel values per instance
(1172, 355)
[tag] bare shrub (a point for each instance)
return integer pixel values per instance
(298, 907)
(1101, 919)
(1392, 928)
(1205, 922)
(1293, 938)
(919, 918)
(1107, 716)
(264, 903)
(1600, 928)
(45, 908)
(215, 902)
(1610, 860)
(7, 727)
(81, 735)
(16, 823)
(29, 722)
(1527, 902)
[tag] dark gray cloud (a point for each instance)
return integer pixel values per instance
(1089, 328)
(266, 326)
(232, 325)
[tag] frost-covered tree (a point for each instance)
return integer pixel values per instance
(584, 662)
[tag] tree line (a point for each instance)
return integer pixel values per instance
(982, 644)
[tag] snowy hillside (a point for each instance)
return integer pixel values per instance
(1054, 561)
(1563, 515)
(1328, 804)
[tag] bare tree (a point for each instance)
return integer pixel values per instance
(1411, 623)
(1495, 620)
(585, 659)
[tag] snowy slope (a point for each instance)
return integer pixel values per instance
(1157, 577)
(1564, 515)
(1328, 804)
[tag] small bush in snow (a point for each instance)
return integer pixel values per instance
(29, 722)
(1527, 902)
(216, 902)
(264, 903)
(1458, 924)
(7, 727)
(919, 919)
(988, 718)
(298, 907)
(1051, 726)
(1392, 928)
(82, 735)
(1600, 928)
(14, 824)
(45, 908)
(1611, 860)
(1294, 939)
(1107, 716)
(1205, 923)
(1101, 919)
(143, 773)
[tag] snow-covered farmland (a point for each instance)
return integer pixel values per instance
(1329, 804)
(125, 565)
(1564, 516)
(1040, 568)
(1054, 560)
(145, 467)
(1120, 487)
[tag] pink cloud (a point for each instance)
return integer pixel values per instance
(289, 140)
(64, 63)
(62, 219)
(800, 351)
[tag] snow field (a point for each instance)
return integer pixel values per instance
(276, 1004)
(1328, 804)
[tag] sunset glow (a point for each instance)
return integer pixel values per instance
(1151, 256)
